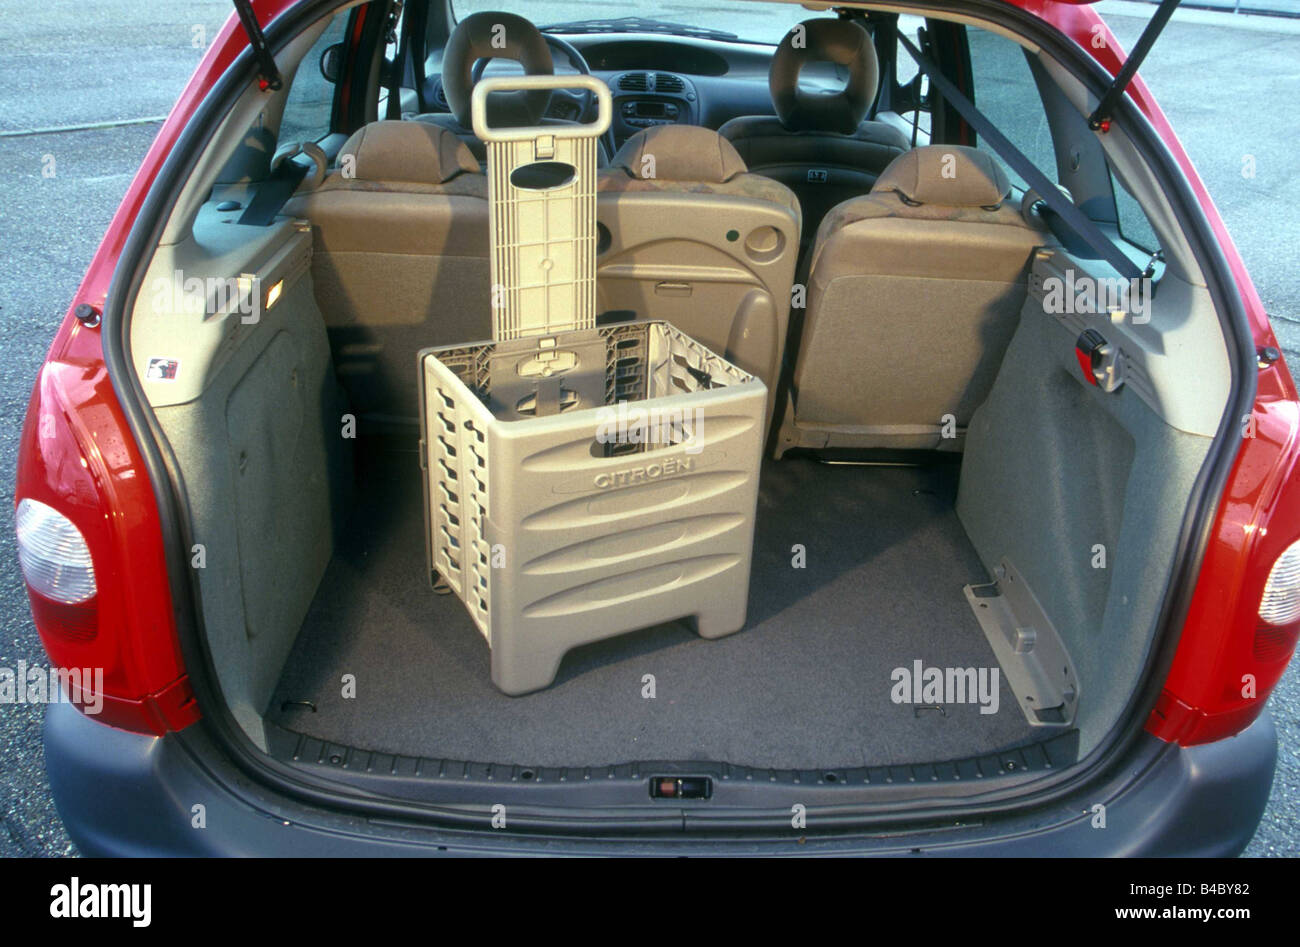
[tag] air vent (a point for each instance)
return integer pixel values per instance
(668, 83)
(634, 82)
(440, 95)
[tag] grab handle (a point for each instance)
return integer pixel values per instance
(478, 107)
(542, 230)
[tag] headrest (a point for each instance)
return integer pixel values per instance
(953, 175)
(416, 152)
(680, 153)
(842, 42)
(496, 36)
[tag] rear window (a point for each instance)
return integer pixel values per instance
(309, 107)
(1134, 227)
(741, 19)
(911, 91)
(1006, 93)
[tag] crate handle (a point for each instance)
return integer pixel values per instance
(485, 87)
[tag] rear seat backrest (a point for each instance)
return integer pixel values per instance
(690, 237)
(400, 256)
(914, 292)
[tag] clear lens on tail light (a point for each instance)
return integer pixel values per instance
(1281, 602)
(53, 554)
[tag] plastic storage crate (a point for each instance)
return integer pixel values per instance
(581, 482)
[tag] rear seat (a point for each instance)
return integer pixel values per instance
(691, 237)
(914, 292)
(400, 259)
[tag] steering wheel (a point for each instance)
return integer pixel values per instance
(581, 105)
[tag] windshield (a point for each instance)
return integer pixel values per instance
(743, 20)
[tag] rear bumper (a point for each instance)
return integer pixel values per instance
(124, 794)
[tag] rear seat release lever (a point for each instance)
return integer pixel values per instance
(672, 288)
(1099, 360)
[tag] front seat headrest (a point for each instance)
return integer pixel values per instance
(842, 42)
(413, 152)
(496, 36)
(680, 153)
(952, 175)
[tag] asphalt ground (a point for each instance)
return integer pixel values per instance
(1227, 82)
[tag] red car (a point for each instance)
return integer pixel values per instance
(1026, 550)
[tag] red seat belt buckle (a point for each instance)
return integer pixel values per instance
(1098, 360)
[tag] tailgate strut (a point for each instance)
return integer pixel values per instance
(268, 74)
(1099, 120)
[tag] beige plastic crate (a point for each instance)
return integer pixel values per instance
(556, 531)
(580, 482)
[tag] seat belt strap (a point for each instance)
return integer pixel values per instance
(273, 193)
(1051, 195)
(394, 108)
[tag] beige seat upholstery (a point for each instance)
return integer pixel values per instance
(687, 235)
(400, 256)
(914, 293)
(818, 144)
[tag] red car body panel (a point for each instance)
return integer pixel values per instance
(1196, 705)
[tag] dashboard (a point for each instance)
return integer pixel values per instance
(644, 99)
(610, 56)
(668, 80)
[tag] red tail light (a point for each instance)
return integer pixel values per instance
(82, 486)
(1237, 639)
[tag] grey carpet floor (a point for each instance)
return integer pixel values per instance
(805, 685)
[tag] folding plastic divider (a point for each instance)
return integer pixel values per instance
(581, 481)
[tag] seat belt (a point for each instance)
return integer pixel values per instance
(273, 193)
(394, 109)
(1051, 195)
